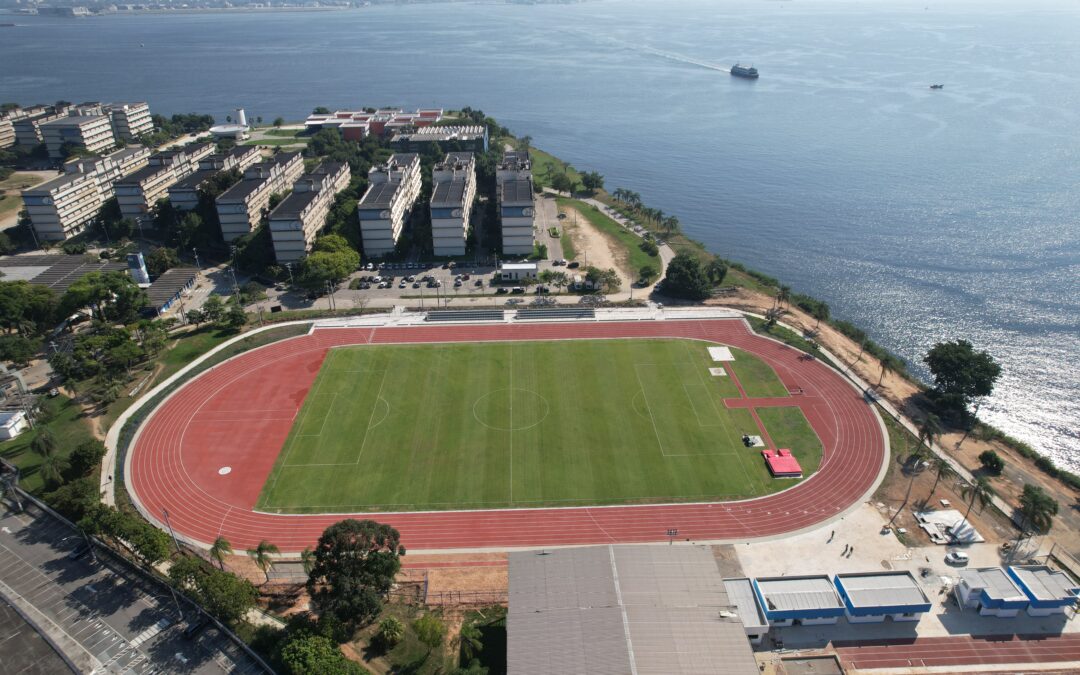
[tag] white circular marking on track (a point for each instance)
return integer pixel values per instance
(545, 406)
(225, 470)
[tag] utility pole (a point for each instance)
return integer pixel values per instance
(236, 286)
(171, 533)
(288, 266)
(196, 252)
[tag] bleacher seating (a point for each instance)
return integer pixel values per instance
(465, 315)
(534, 313)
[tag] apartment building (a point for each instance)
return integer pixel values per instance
(357, 124)
(300, 216)
(517, 211)
(27, 123)
(93, 132)
(241, 207)
(139, 192)
(64, 206)
(184, 194)
(129, 120)
(7, 131)
(385, 207)
(465, 138)
(453, 190)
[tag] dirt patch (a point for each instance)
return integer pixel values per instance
(595, 248)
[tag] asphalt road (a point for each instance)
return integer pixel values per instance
(23, 651)
(113, 620)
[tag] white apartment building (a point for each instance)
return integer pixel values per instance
(7, 132)
(300, 216)
(517, 211)
(129, 120)
(139, 192)
(453, 190)
(385, 207)
(93, 132)
(64, 206)
(184, 194)
(241, 207)
(27, 123)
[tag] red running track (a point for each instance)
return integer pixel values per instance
(239, 413)
(959, 651)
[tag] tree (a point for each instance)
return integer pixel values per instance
(18, 349)
(391, 631)
(44, 443)
(355, 564)
(262, 555)
(214, 309)
(914, 460)
(52, 468)
(161, 259)
(278, 121)
(992, 462)
(224, 595)
(979, 490)
(430, 630)
(592, 180)
(562, 183)
(783, 294)
(258, 120)
(685, 278)
(86, 457)
(471, 642)
(320, 110)
(649, 247)
(961, 374)
(886, 367)
(929, 429)
(717, 270)
(307, 560)
(235, 318)
(220, 550)
(524, 143)
(942, 469)
(307, 654)
(1038, 509)
(820, 313)
(74, 498)
(195, 316)
(647, 273)
(113, 296)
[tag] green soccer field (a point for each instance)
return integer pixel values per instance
(565, 423)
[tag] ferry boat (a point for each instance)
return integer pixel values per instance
(739, 70)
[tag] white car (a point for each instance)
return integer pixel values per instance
(957, 558)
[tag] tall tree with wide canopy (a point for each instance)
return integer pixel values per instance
(355, 564)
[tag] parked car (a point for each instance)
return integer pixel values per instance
(416, 284)
(573, 264)
(79, 551)
(479, 283)
(465, 277)
(457, 284)
(195, 627)
(957, 558)
(518, 289)
(501, 290)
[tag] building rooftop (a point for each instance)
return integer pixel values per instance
(240, 191)
(449, 192)
(195, 180)
(788, 594)
(284, 157)
(57, 272)
(621, 609)
(516, 191)
(74, 121)
(293, 205)
(996, 583)
(143, 174)
(401, 159)
(519, 267)
(165, 287)
(1042, 583)
(882, 589)
(515, 160)
(61, 181)
(379, 195)
(741, 594)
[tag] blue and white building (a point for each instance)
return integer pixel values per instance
(1048, 591)
(991, 591)
(870, 597)
(794, 601)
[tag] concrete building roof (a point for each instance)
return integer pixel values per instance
(519, 267)
(194, 180)
(623, 609)
(57, 272)
(741, 594)
(995, 583)
(293, 205)
(516, 191)
(809, 593)
(171, 282)
(379, 195)
(1044, 584)
(882, 589)
(241, 190)
(74, 121)
(63, 180)
(448, 192)
(138, 177)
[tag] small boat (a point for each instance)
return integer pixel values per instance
(739, 70)
(937, 86)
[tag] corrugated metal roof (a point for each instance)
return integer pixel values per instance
(887, 589)
(1045, 583)
(650, 610)
(741, 594)
(784, 594)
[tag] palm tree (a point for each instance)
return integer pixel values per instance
(52, 468)
(307, 559)
(1038, 509)
(942, 469)
(44, 443)
(862, 348)
(821, 311)
(979, 490)
(262, 556)
(220, 550)
(929, 429)
(671, 224)
(783, 295)
(471, 642)
(886, 366)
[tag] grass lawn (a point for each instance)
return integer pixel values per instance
(277, 141)
(561, 423)
(10, 203)
(545, 166)
(68, 427)
(789, 429)
(756, 377)
(21, 181)
(284, 133)
(630, 242)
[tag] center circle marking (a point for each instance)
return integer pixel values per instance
(511, 409)
(224, 470)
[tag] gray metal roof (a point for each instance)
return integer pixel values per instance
(138, 177)
(784, 594)
(293, 205)
(742, 595)
(57, 272)
(171, 282)
(448, 192)
(623, 609)
(994, 581)
(1045, 583)
(379, 195)
(884, 589)
(194, 181)
(516, 190)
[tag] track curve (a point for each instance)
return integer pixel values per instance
(237, 414)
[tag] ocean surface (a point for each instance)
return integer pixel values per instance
(919, 215)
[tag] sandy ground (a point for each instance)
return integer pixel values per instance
(12, 187)
(603, 252)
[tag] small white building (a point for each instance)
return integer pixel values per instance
(12, 423)
(517, 271)
(1048, 591)
(991, 591)
(870, 597)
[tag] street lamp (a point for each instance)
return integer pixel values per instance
(672, 531)
(195, 251)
